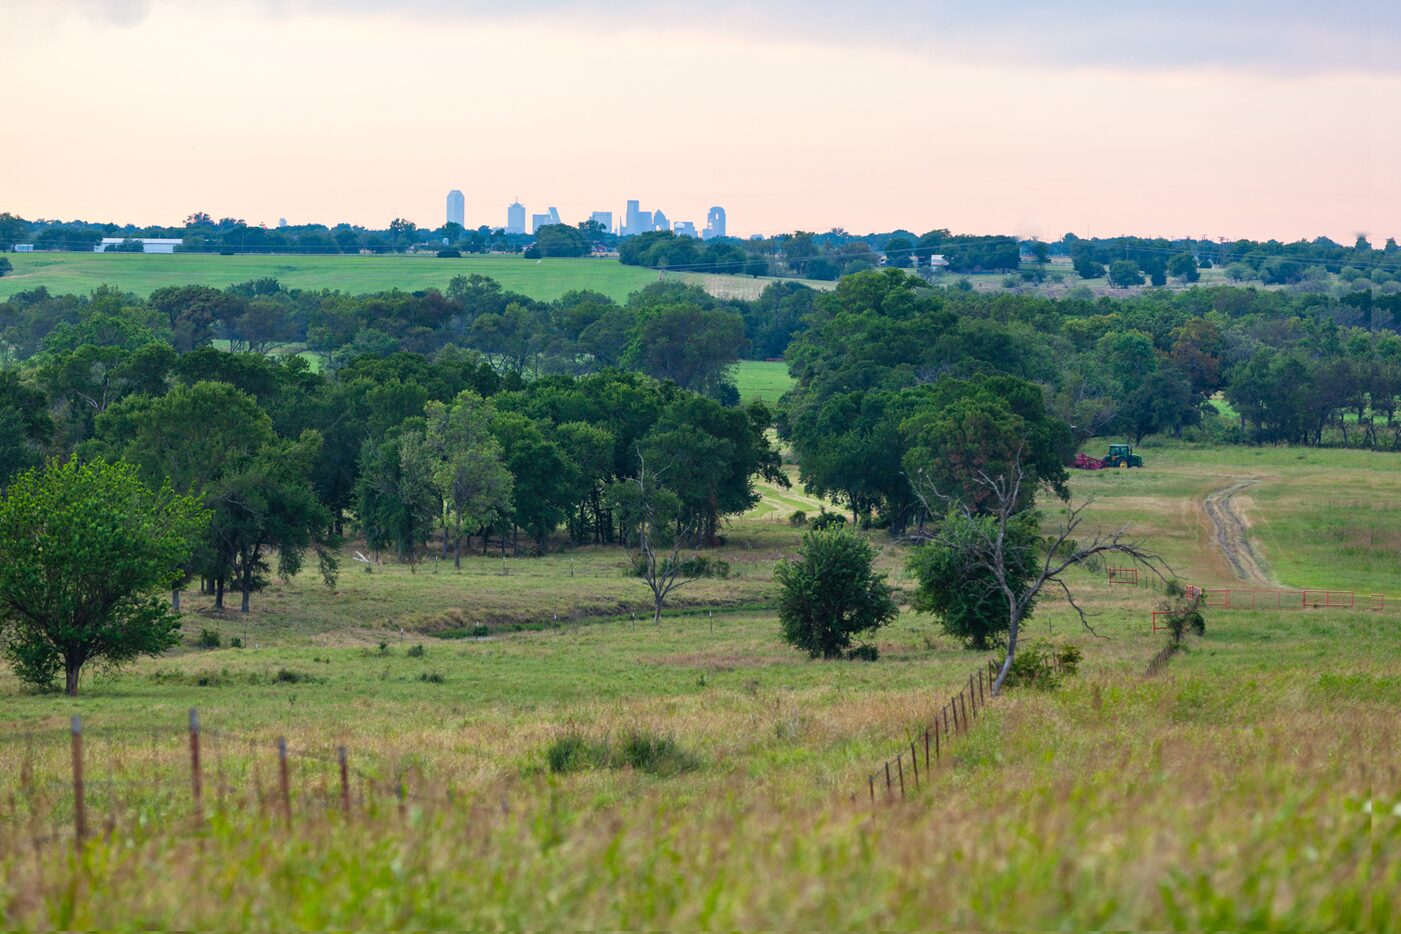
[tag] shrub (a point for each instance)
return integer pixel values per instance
(449, 254)
(415, 652)
(827, 520)
(288, 676)
(208, 639)
(798, 519)
(1180, 613)
(1043, 665)
(431, 677)
(574, 752)
(236, 643)
(831, 593)
(639, 749)
(656, 755)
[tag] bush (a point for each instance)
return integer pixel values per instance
(449, 254)
(798, 519)
(1180, 613)
(431, 677)
(1043, 665)
(641, 750)
(831, 593)
(827, 520)
(208, 639)
(235, 643)
(288, 676)
(656, 755)
(573, 752)
(415, 652)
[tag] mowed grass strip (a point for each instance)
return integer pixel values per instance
(545, 279)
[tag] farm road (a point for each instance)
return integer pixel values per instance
(1231, 535)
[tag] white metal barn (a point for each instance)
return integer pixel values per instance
(148, 244)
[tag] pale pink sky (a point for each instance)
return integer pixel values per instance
(1258, 121)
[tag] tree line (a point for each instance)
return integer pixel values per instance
(894, 377)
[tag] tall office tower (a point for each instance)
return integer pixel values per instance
(515, 218)
(636, 220)
(715, 223)
(603, 219)
(684, 229)
(457, 208)
(554, 216)
(659, 221)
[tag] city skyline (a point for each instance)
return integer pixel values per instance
(1252, 119)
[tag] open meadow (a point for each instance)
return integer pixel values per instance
(567, 765)
(544, 279)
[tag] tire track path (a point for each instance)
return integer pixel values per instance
(1231, 535)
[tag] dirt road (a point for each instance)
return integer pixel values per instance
(1230, 533)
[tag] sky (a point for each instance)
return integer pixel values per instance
(1217, 118)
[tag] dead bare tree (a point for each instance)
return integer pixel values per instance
(661, 566)
(990, 552)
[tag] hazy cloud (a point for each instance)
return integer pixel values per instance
(1287, 37)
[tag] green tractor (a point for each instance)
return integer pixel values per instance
(1121, 455)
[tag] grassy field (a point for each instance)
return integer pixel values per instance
(541, 279)
(764, 380)
(1255, 785)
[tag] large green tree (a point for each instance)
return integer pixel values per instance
(85, 550)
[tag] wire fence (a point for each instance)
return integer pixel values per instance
(74, 784)
(930, 744)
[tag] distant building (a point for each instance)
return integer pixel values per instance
(636, 220)
(684, 229)
(539, 220)
(659, 221)
(515, 218)
(282, 222)
(715, 223)
(603, 219)
(457, 208)
(148, 244)
(23, 248)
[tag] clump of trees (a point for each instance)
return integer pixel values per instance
(86, 551)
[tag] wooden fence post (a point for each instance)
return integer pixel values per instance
(80, 814)
(926, 748)
(914, 761)
(283, 778)
(900, 766)
(871, 782)
(345, 781)
(888, 792)
(973, 694)
(196, 774)
(936, 739)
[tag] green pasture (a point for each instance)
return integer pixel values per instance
(545, 279)
(764, 380)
